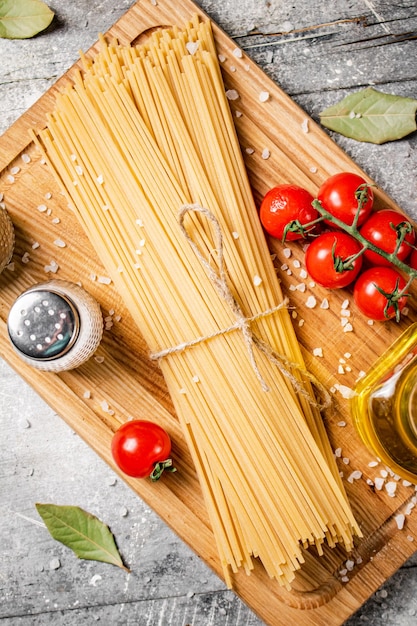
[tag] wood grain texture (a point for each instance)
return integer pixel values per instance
(130, 383)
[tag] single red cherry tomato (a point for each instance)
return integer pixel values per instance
(284, 204)
(142, 448)
(328, 259)
(382, 228)
(340, 196)
(376, 293)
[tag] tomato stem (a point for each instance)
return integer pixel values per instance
(368, 245)
(160, 468)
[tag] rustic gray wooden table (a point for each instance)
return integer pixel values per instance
(319, 53)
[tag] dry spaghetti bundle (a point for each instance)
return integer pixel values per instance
(144, 145)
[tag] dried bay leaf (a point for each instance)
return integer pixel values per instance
(21, 19)
(372, 116)
(84, 533)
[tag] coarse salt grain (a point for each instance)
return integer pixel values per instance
(348, 328)
(221, 58)
(264, 96)
(232, 94)
(87, 394)
(51, 268)
(10, 178)
(356, 475)
(26, 257)
(324, 304)
(345, 392)
(266, 153)
(257, 280)
(42, 208)
(104, 280)
(311, 302)
(287, 252)
(59, 243)
(304, 125)
(99, 359)
(15, 170)
(318, 352)
(379, 483)
(35, 245)
(249, 150)
(400, 521)
(237, 52)
(391, 488)
(192, 46)
(26, 158)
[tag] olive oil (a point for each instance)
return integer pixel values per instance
(384, 407)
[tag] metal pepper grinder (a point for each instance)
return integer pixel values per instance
(55, 326)
(7, 238)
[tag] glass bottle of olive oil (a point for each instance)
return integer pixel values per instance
(384, 407)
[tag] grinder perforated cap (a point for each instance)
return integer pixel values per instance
(55, 326)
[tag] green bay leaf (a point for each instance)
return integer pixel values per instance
(21, 19)
(372, 116)
(84, 533)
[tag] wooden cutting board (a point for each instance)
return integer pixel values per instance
(280, 144)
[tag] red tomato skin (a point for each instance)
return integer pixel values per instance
(285, 203)
(319, 259)
(378, 231)
(337, 196)
(367, 297)
(138, 445)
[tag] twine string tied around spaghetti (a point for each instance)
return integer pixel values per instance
(218, 277)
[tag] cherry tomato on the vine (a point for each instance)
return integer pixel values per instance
(329, 259)
(382, 228)
(284, 204)
(376, 293)
(142, 448)
(340, 196)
